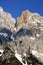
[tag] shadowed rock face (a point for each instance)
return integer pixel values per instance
(5, 35)
(22, 37)
(23, 32)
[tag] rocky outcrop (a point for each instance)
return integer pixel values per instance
(6, 20)
(26, 39)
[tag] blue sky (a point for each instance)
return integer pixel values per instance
(15, 7)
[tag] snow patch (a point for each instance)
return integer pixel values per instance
(32, 38)
(37, 35)
(1, 52)
(18, 56)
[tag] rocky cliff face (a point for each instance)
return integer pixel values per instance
(6, 20)
(23, 36)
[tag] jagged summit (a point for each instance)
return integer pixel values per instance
(28, 18)
(6, 20)
(27, 39)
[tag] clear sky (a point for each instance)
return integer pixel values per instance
(15, 7)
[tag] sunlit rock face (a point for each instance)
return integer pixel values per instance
(6, 20)
(30, 34)
(23, 35)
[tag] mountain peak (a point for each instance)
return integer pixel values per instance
(28, 35)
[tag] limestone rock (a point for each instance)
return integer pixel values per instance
(27, 43)
(7, 21)
(34, 40)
